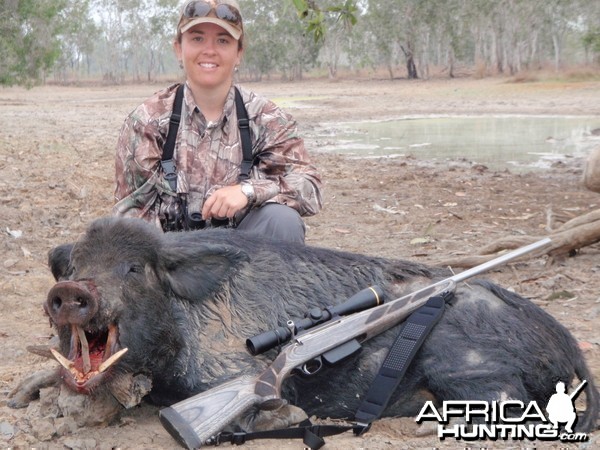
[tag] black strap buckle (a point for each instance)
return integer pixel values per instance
(244, 123)
(175, 118)
(312, 437)
(360, 428)
(170, 174)
(237, 438)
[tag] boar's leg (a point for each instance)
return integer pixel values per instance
(263, 420)
(29, 389)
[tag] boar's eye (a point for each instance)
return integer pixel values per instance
(130, 268)
(136, 268)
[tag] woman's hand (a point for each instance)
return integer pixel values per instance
(224, 202)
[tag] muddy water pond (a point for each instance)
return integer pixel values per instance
(508, 141)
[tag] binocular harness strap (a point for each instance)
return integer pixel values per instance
(167, 162)
(244, 126)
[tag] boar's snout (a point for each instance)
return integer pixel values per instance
(71, 303)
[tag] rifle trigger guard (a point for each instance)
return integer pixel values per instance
(311, 367)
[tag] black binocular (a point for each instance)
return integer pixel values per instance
(194, 221)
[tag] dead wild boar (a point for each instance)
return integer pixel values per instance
(141, 312)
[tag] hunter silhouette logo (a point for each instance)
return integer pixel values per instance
(560, 406)
(509, 419)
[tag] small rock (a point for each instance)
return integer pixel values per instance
(65, 426)
(80, 444)
(7, 430)
(43, 430)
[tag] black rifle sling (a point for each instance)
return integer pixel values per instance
(412, 335)
(312, 435)
(167, 163)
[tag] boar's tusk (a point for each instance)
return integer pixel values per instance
(111, 341)
(62, 360)
(110, 361)
(40, 350)
(85, 350)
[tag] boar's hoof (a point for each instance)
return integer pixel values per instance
(129, 389)
(29, 389)
(426, 429)
(283, 417)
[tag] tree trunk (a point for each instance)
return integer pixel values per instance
(556, 45)
(411, 68)
(451, 62)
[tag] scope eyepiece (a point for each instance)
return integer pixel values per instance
(269, 339)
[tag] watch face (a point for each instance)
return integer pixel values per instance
(248, 190)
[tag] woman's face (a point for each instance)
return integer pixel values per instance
(209, 55)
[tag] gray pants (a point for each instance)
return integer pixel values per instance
(277, 221)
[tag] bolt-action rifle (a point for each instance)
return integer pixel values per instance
(338, 333)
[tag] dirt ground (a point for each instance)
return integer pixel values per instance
(56, 161)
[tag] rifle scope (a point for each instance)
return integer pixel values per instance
(367, 298)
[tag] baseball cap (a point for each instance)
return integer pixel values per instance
(225, 13)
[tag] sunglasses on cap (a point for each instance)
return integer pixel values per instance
(202, 8)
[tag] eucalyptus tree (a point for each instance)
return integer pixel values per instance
(560, 15)
(151, 30)
(78, 34)
(110, 19)
(136, 37)
(30, 39)
(392, 31)
(591, 31)
(276, 40)
(338, 22)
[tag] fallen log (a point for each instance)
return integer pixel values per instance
(573, 235)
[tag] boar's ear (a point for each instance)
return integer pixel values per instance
(195, 271)
(59, 259)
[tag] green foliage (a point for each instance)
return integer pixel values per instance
(132, 39)
(591, 41)
(315, 17)
(29, 45)
(275, 40)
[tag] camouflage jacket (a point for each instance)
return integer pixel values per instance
(208, 157)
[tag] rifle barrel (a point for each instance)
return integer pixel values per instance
(578, 389)
(501, 260)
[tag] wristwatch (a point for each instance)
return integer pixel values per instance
(248, 191)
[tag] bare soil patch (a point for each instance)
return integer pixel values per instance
(56, 159)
